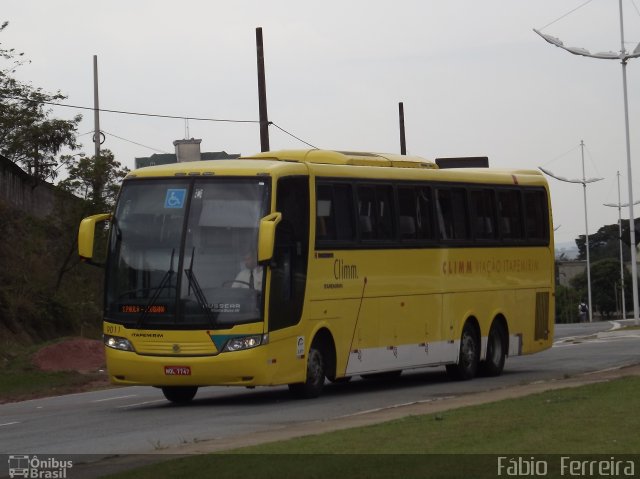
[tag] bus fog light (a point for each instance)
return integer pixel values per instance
(245, 342)
(116, 342)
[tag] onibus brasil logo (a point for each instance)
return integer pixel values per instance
(34, 467)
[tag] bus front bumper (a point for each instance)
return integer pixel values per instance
(251, 367)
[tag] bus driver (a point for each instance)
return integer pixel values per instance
(250, 275)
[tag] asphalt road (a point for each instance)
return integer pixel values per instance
(136, 420)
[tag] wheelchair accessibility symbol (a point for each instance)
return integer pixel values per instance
(175, 198)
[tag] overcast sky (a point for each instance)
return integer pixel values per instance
(473, 76)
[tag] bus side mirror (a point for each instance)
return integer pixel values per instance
(267, 236)
(86, 236)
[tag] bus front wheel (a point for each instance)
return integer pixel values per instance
(312, 387)
(469, 355)
(179, 394)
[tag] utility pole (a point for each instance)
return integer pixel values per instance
(403, 143)
(262, 94)
(96, 109)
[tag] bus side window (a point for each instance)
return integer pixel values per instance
(375, 210)
(443, 213)
(366, 212)
(334, 213)
(325, 229)
(344, 224)
(535, 215)
(482, 214)
(384, 206)
(452, 213)
(408, 220)
(509, 214)
(424, 205)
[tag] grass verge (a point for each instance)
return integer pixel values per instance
(596, 419)
(20, 379)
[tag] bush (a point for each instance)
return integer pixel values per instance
(37, 302)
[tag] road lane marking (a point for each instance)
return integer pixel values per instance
(10, 423)
(114, 398)
(394, 406)
(141, 403)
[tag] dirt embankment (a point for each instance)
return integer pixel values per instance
(77, 354)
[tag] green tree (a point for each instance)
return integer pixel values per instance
(96, 180)
(28, 134)
(625, 234)
(38, 299)
(567, 300)
(605, 286)
(605, 243)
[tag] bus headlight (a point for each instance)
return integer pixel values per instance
(116, 342)
(245, 342)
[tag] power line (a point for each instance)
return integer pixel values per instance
(292, 135)
(560, 156)
(135, 143)
(591, 160)
(565, 15)
(155, 115)
(124, 112)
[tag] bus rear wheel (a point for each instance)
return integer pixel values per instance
(312, 387)
(179, 394)
(469, 357)
(496, 353)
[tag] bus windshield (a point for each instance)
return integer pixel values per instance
(182, 253)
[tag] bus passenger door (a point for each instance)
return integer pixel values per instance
(288, 280)
(289, 264)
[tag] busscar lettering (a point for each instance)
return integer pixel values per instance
(225, 307)
(342, 270)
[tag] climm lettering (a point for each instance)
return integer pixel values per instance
(342, 270)
(457, 267)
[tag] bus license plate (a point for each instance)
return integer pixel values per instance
(177, 371)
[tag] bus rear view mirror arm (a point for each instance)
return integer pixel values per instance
(86, 237)
(266, 236)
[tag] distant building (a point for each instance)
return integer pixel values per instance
(567, 270)
(186, 150)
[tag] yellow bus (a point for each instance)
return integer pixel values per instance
(294, 267)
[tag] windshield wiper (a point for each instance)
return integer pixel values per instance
(197, 291)
(163, 282)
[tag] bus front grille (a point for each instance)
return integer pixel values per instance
(175, 348)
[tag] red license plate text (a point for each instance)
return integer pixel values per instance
(177, 371)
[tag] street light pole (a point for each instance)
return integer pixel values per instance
(632, 218)
(620, 206)
(586, 229)
(623, 56)
(584, 182)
